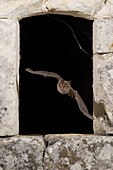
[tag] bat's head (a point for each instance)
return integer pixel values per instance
(64, 86)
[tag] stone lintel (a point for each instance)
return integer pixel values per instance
(26, 8)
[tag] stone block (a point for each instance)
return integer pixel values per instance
(22, 153)
(9, 64)
(106, 11)
(103, 93)
(22, 8)
(81, 8)
(78, 152)
(103, 35)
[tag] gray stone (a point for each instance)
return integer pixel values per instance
(22, 153)
(9, 63)
(103, 93)
(78, 152)
(103, 35)
(22, 8)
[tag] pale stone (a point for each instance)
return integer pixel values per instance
(81, 8)
(103, 93)
(103, 35)
(9, 61)
(22, 8)
(106, 11)
(78, 152)
(22, 153)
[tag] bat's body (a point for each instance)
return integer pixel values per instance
(64, 87)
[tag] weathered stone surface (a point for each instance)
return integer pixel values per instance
(103, 35)
(22, 153)
(22, 8)
(103, 93)
(81, 8)
(78, 152)
(9, 50)
(106, 11)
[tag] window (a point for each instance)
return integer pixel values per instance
(47, 43)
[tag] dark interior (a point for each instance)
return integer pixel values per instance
(47, 43)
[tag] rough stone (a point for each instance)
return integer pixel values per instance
(22, 8)
(103, 93)
(9, 59)
(106, 11)
(81, 8)
(103, 35)
(78, 152)
(22, 153)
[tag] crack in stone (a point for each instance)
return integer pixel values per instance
(101, 53)
(44, 151)
(105, 1)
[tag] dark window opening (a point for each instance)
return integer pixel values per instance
(48, 44)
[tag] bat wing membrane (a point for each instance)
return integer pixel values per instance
(45, 73)
(82, 105)
(72, 93)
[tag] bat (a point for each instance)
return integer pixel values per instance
(64, 87)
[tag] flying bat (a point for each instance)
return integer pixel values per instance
(64, 87)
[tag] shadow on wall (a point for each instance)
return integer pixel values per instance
(48, 44)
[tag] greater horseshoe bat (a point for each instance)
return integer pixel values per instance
(64, 87)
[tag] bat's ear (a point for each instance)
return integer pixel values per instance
(70, 81)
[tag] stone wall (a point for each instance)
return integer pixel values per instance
(56, 151)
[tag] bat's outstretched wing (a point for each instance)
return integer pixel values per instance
(72, 93)
(45, 73)
(81, 104)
